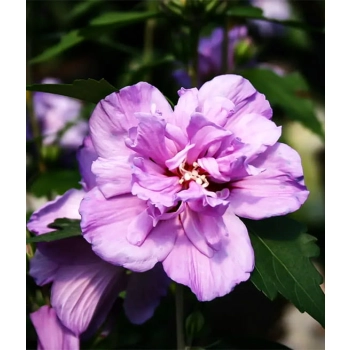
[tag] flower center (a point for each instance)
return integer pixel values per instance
(193, 174)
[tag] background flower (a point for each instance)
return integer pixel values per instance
(275, 9)
(54, 113)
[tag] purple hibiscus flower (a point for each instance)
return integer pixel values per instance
(54, 112)
(172, 184)
(275, 9)
(210, 55)
(51, 333)
(84, 287)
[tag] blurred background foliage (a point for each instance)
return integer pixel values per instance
(149, 50)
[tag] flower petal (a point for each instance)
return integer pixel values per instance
(218, 109)
(203, 133)
(86, 155)
(52, 335)
(114, 116)
(176, 134)
(212, 167)
(81, 293)
(193, 228)
(213, 277)
(42, 268)
(151, 182)
(238, 90)
(255, 131)
(148, 139)
(278, 190)
(65, 206)
(139, 228)
(105, 225)
(186, 105)
(256, 103)
(144, 292)
(113, 175)
(234, 87)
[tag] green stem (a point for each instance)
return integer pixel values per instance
(193, 62)
(224, 51)
(34, 123)
(149, 39)
(179, 302)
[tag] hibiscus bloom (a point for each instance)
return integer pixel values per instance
(51, 333)
(54, 112)
(275, 9)
(172, 184)
(84, 287)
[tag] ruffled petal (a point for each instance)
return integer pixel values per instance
(144, 292)
(115, 115)
(203, 201)
(148, 139)
(65, 206)
(257, 104)
(212, 167)
(105, 225)
(216, 276)
(86, 155)
(218, 109)
(82, 294)
(255, 131)
(186, 105)
(113, 175)
(177, 135)
(52, 335)
(238, 90)
(278, 190)
(203, 133)
(151, 183)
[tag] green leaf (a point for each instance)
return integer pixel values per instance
(249, 12)
(81, 9)
(282, 264)
(289, 92)
(194, 323)
(66, 228)
(89, 90)
(67, 41)
(245, 11)
(97, 27)
(57, 181)
(122, 18)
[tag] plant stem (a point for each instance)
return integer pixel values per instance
(193, 62)
(224, 51)
(34, 123)
(149, 39)
(179, 302)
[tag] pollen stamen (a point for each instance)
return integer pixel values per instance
(188, 175)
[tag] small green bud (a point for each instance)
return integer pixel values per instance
(50, 152)
(244, 51)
